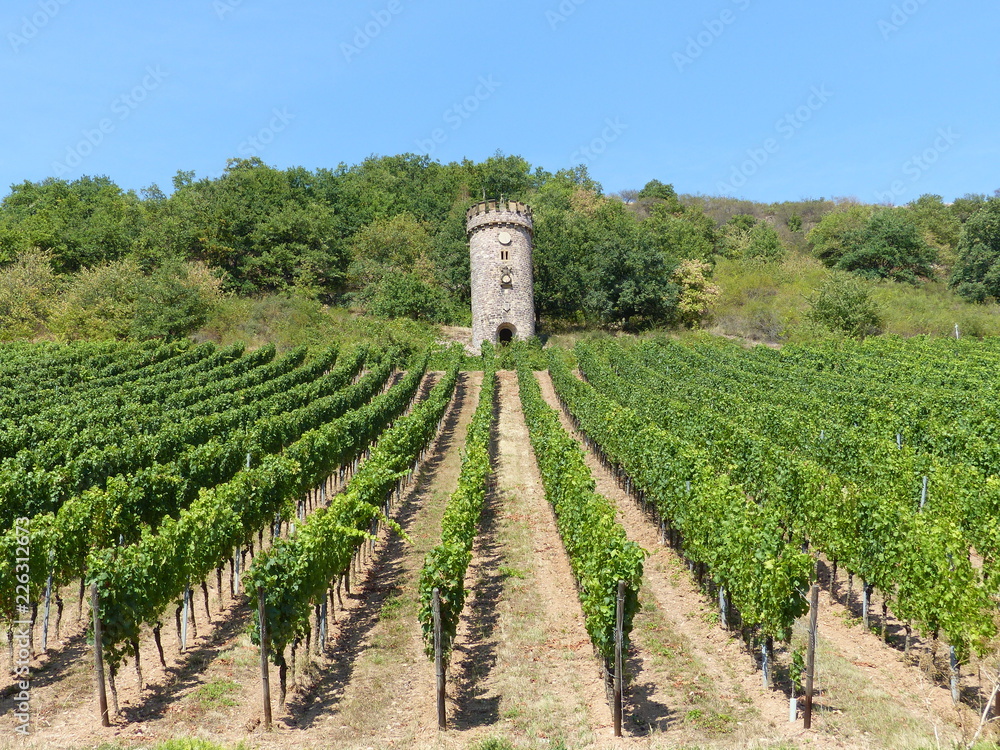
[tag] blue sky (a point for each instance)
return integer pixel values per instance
(879, 100)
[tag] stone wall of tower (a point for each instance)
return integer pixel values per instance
(497, 305)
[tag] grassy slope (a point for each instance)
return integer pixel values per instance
(763, 302)
(769, 302)
(289, 321)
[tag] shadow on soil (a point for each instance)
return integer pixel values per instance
(53, 667)
(473, 707)
(157, 698)
(644, 714)
(385, 580)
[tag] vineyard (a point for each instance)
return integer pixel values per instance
(682, 543)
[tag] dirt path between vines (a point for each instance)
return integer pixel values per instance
(867, 696)
(377, 686)
(527, 668)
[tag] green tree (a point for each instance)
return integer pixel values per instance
(399, 243)
(976, 276)
(658, 192)
(631, 283)
(888, 246)
(393, 273)
(500, 175)
(963, 208)
(563, 260)
(450, 255)
(938, 225)
(830, 237)
(79, 224)
(383, 186)
(258, 227)
(689, 234)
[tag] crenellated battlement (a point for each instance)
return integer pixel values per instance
(499, 213)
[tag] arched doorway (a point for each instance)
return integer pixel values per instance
(505, 333)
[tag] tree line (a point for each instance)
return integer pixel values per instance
(85, 258)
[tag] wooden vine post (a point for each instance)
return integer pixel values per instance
(439, 660)
(187, 613)
(811, 656)
(102, 694)
(48, 605)
(956, 676)
(619, 642)
(265, 677)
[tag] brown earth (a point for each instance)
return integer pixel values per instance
(523, 667)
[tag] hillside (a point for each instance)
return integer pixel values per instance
(258, 253)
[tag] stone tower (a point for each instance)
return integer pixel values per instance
(503, 302)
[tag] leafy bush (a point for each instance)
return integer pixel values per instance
(746, 237)
(844, 304)
(118, 301)
(696, 293)
(406, 295)
(27, 288)
(174, 301)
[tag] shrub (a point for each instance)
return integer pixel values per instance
(27, 287)
(888, 246)
(844, 304)
(746, 237)
(696, 293)
(118, 301)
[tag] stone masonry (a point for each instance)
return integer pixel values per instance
(500, 243)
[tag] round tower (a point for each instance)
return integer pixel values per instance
(503, 301)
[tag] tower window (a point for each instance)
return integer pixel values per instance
(505, 255)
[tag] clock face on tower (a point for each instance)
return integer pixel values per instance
(505, 238)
